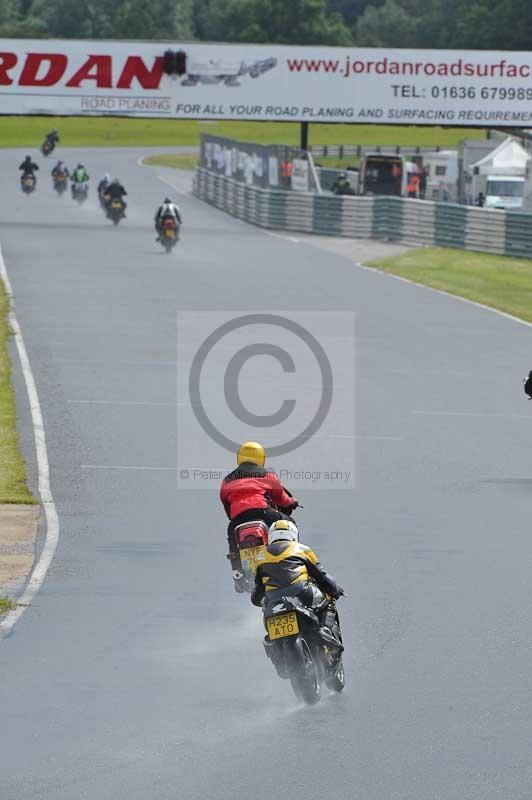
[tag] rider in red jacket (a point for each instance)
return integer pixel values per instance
(251, 492)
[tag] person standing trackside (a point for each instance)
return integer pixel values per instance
(423, 184)
(413, 186)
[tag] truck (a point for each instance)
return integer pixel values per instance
(383, 174)
(504, 191)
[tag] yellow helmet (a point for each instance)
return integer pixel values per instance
(251, 452)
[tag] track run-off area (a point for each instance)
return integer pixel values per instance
(137, 673)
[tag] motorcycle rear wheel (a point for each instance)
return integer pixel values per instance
(305, 675)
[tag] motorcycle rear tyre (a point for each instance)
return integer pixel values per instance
(305, 674)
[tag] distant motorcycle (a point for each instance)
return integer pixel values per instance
(304, 645)
(60, 183)
(169, 233)
(28, 183)
(115, 210)
(80, 191)
(47, 147)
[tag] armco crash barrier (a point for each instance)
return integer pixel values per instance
(415, 222)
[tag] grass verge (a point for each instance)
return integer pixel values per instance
(13, 487)
(115, 132)
(6, 605)
(174, 161)
(496, 281)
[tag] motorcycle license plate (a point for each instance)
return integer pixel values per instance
(170, 232)
(116, 205)
(283, 625)
(249, 557)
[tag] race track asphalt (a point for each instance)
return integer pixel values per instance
(137, 673)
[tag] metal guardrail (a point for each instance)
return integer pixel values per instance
(358, 150)
(417, 222)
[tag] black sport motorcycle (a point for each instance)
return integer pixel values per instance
(80, 191)
(115, 210)
(47, 147)
(305, 645)
(60, 183)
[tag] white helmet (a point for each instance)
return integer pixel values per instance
(283, 530)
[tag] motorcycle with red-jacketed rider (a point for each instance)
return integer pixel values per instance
(251, 540)
(297, 596)
(253, 498)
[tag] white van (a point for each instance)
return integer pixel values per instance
(504, 191)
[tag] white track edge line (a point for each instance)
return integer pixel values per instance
(446, 294)
(52, 520)
(140, 163)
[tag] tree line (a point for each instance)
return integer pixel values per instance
(484, 24)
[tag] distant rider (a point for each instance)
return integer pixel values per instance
(252, 492)
(52, 137)
(28, 167)
(290, 569)
(80, 174)
(60, 169)
(79, 177)
(104, 183)
(116, 191)
(342, 185)
(167, 210)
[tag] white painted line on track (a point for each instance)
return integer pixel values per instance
(126, 403)
(446, 294)
(479, 414)
(81, 362)
(178, 191)
(141, 163)
(52, 520)
(116, 466)
(376, 438)
(281, 236)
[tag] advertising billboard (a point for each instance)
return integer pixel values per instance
(267, 82)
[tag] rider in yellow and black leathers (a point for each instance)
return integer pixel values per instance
(288, 568)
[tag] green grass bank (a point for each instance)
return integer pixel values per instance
(13, 486)
(122, 132)
(496, 281)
